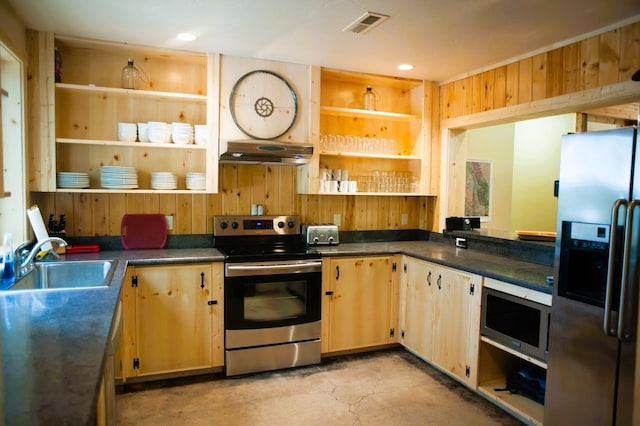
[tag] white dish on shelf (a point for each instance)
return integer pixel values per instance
(196, 181)
(164, 180)
(72, 180)
(118, 177)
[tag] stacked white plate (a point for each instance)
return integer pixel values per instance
(118, 177)
(181, 133)
(163, 180)
(196, 181)
(159, 132)
(72, 180)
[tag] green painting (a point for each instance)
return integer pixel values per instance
(477, 199)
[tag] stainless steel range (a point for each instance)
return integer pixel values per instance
(272, 293)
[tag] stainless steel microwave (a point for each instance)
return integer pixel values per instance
(520, 324)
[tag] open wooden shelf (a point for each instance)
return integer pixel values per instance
(132, 92)
(522, 406)
(354, 112)
(129, 144)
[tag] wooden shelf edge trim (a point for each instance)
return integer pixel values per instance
(329, 110)
(132, 191)
(513, 352)
(131, 92)
(383, 194)
(366, 155)
(129, 144)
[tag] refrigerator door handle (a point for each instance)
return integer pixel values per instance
(613, 244)
(624, 328)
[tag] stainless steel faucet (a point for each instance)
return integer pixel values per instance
(24, 266)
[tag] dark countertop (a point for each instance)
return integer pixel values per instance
(525, 274)
(54, 342)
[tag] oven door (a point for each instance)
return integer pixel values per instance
(261, 295)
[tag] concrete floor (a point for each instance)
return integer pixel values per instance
(390, 387)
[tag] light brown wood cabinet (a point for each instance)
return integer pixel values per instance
(172, 318)
(359, 305)
(76, 122)
(385, 150)
(442, 317)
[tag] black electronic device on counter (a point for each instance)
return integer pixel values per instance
(462, 223)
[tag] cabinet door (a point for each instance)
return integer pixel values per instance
(361, 306)
(418, 333)
(174, 320)
(456, 330)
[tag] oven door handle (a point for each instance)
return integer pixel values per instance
(282, 268)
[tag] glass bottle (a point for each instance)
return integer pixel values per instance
(369, 99)
(129, 75)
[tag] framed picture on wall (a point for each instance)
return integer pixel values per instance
(477, 197)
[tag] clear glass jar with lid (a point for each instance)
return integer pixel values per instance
(369, 99)
(129, 75)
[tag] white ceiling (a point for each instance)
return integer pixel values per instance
(443, 39)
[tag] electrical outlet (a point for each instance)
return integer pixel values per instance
(461, 242)
(336, 219)
(169, 222)
(404, 219)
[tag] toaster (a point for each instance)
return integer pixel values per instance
(321, 234)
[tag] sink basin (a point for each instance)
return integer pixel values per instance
(67, 275)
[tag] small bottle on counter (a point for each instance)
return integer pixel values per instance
(129, 75)
(8, 261)
(369, 99)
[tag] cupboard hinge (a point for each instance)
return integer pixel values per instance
(393, 267)
(472, 289)
(134, 281)
(392, 332)
(402, 334)
(136, 363)
(404, 268)
(212, 302)
(467, 371)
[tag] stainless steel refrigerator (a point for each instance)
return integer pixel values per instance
(592, 341)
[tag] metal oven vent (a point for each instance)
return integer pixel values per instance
(366, 23)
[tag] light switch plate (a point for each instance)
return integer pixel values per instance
(169, 222)
(336, 219)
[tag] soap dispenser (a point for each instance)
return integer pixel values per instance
(8, 261)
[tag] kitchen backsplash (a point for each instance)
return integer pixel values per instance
(100, 214)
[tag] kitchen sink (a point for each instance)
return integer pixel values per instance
(60, 275)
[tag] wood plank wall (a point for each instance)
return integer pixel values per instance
(609, 58)
(99, 214)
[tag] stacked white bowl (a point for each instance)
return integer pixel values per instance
(127, 132)
(181, 133)
(196, 181)
(163, 180)
(201, 134)
(143, 132)
(159, 132)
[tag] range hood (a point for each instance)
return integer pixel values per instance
(264, 151)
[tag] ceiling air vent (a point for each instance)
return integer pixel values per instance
(366, 22)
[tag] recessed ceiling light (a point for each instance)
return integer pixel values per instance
(405, 67)
(186, 36)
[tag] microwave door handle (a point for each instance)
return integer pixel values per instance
(624, 319)
(607, 327)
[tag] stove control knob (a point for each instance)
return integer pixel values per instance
(291, 224)
(316, 240)
(330, 239)
(234, 225)
(281, 224)
(223, 225)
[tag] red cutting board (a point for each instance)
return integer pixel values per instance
(143, 231)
